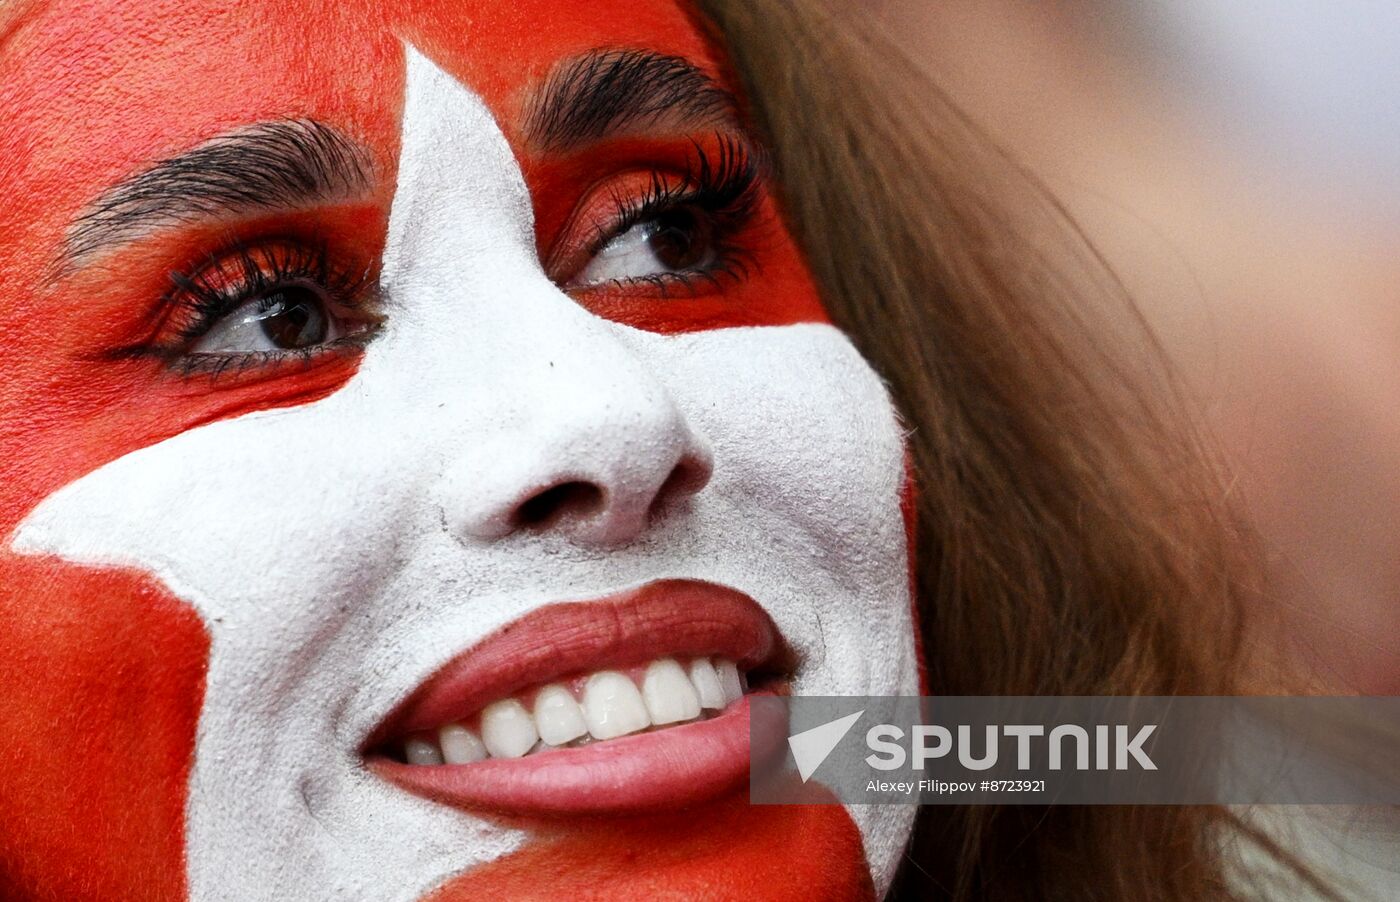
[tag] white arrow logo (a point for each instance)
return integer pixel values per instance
(810, 747)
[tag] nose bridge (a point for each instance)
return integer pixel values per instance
(575, 388)
(580, 435)
(543, 416)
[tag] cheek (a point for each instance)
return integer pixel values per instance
(104, 676)
(99, 417)
(68, 407)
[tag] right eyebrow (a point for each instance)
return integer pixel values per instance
(605, 93)
(267, 166)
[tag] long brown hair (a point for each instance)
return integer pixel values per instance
(1073, 536)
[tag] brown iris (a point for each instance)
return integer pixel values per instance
(294, 317)
(681, 239)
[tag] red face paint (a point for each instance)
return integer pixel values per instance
(105, 668)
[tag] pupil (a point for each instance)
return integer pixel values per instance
(294, 318)
(678, 240)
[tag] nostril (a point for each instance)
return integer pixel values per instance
(577, 499)
(686, 478)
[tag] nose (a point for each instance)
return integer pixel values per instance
(596, 450)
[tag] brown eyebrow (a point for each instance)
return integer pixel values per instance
(610, 92)
(274, 165)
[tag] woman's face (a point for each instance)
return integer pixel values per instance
(366, 368)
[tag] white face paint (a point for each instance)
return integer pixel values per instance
(340, 552)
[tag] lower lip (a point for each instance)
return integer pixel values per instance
(667, 769)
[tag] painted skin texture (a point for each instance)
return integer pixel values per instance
(215, 588)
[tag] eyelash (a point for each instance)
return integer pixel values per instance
(727, 188)
(197, 303)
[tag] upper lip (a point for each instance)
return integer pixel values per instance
(662, 618)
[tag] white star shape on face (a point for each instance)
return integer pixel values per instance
(315, 541)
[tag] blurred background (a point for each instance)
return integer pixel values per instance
(1238, 163)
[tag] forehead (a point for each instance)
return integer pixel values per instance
(96, 88)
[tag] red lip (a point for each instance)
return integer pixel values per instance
(669, 768)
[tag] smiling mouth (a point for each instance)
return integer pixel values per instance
(579, 711)
(634, 702)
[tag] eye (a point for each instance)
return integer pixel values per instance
(292, 318)
(647, 231)
(253, 307)
(673, 242)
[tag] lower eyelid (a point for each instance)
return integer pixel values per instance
(263, 364)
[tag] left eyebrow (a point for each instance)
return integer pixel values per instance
(607, 93)
(266, 166)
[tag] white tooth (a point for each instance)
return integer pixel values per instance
(707, 684)
(729, 680)
(421, 750)
(668, 694)
(460, 745)
(557, 716)
(612, 706)
(507, 729)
